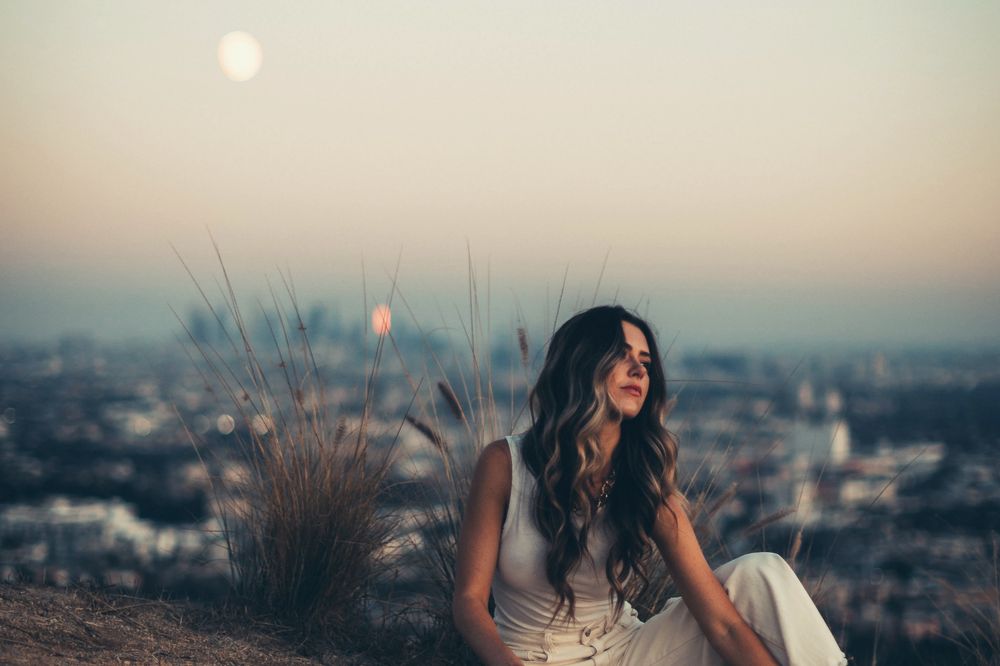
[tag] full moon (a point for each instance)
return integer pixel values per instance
(240, 56)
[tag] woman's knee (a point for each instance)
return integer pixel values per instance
(766, 563)
(756, 566)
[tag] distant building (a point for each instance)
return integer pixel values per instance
(805, 398)
(834, 402)
(814, 444)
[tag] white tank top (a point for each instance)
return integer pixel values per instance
(523, 595)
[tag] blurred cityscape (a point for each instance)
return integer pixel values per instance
(882, 464)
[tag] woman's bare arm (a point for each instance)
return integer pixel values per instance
(478, 548)
(702, 592)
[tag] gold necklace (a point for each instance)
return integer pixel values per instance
(609, 483)
(602, 496)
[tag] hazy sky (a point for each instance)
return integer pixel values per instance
(808, 172)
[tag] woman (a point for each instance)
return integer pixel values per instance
(558, 520)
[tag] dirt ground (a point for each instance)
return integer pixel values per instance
(40, 625)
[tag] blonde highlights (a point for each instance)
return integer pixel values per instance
(570, 405)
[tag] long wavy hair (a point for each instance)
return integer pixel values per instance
(569, 405)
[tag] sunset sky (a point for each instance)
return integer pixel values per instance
(814, 173)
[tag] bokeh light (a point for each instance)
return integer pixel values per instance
(140, 425)
(381, 319)
(225, 424)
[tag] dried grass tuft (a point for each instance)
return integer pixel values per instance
(452, 401)
(432, 436)
(722, 500)
(522, 343)
(793, 553)
(305, 536)
(768, 520)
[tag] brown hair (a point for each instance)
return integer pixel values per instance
(569, 405)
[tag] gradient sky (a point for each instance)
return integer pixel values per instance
(802, 172)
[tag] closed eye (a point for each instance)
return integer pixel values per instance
(644, 356)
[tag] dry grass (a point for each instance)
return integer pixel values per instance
(305, 536)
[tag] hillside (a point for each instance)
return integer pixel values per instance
(45, 625)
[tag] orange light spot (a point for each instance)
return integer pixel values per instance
(381, 319)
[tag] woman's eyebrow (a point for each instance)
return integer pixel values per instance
(642, 353)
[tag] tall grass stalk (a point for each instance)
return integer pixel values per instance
(299, 505)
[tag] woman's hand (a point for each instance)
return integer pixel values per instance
(478, 549)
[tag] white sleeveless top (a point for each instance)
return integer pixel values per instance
(523, 595)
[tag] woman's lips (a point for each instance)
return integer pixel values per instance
(634, 390)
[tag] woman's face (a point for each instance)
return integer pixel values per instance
(628, 382)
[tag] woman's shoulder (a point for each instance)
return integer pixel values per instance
(495, 461)
(493, 472)
(496, 452)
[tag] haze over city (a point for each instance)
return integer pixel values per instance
(819, 174)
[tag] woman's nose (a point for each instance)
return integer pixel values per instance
(636, 368)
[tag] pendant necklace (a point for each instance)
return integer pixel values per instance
(609, 483)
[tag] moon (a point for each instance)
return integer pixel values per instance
(240, 56)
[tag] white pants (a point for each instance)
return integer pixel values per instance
(765, 591)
